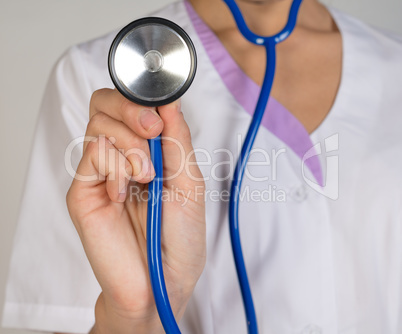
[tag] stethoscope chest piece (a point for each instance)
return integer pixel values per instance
(152, 61)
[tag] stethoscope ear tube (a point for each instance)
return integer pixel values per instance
(270, 45)
(265, 40)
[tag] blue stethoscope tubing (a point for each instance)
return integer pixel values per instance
(154, 229)
(269, 43)
(155, 188)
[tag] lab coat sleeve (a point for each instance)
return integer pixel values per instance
(50, 285)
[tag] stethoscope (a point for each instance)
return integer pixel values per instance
(152, 62)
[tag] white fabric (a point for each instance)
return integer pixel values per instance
(316, 265)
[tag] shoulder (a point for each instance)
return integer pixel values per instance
(372, 61)
(384, 44)
(372, 82)
(357, 26)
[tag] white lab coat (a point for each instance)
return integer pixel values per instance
(321, 233)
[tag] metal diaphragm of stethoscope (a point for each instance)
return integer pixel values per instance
(152, 62)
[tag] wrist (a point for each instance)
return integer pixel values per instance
(110, 321)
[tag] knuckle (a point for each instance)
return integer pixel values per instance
(126, 169)
(97, 121)
(95, 96)
(99, 92)
(131, 149)
(129, 110)
(126, 106)
(92, 147)
(136, 143)
(94, 103)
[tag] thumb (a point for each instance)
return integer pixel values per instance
(180, 165)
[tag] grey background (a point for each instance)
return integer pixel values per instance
(33, 34)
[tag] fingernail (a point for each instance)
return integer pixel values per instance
(136, 165)
(149, 118)
(145, 167)
(137, 169)
(122, 195)
(148, 170)
(151, 170)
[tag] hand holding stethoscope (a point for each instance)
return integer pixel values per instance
(110, 215)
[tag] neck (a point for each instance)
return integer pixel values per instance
(264, 17)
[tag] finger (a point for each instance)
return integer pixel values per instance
(144, 121)
(117, 176)
(106, 234)
(134, 148)
(101, 164)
